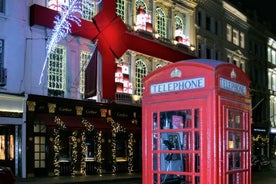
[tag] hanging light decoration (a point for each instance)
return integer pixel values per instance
(116, 128)
(99, 152)
(57, 147)
(83, 154)
(130, 153)
(74, 144)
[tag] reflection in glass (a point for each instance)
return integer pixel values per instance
(175, 119)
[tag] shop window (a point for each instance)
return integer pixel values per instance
(39, 152)
(65, 149)
(90, 148)
(39, 145)
(2, 147)
(7, 143)
(121, 147)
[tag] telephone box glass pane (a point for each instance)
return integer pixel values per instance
(154, 121)
(234, 160)
(171, 141)
(196, 118)
(175, 119)
(197, 140)
(197, 163)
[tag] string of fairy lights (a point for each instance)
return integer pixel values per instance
(75, 141)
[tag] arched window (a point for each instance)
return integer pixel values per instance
(179, 26)
(179, 33)
(161, 23)
(143, 18)
(140, 73)
(140, 3)
(121, 9)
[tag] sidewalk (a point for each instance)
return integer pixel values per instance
(267, 176)
(78, 179)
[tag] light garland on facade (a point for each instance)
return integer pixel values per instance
(73, 142)
(130, 153)
(259, 137)
(99, 153)
(57, 147)
(88, 125)
(83, 154)
(56, 152)
(116, 128)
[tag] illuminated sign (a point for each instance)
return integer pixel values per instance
(232, 86)
(178, 85)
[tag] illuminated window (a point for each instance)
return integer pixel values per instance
(57, 71)
(120, 9)
(143, 18)
(179, 31)
(161, 23)
(2, 147)
(39, 152)
(235, 37)
(87, 12)
(229, 33)
(140, 73)
(39, 145)
(58, 5)
(84, 59)
(2, 5)
(242, 40)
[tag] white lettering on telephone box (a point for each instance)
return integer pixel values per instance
(178, 85)
(232, 86)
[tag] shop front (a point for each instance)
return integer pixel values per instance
(12, 133)
(71, 137)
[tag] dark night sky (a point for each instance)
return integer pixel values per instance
(264, 9)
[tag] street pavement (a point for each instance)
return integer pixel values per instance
(266, 176)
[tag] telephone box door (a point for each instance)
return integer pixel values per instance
(174, 148)
(196, 124)
(236, 134)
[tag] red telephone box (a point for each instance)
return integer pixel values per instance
(196, 124)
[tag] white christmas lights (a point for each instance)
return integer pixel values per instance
(63, 25)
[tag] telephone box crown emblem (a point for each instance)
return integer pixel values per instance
(233, 74)
(175, 73)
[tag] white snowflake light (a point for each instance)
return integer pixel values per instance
(63, 25)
